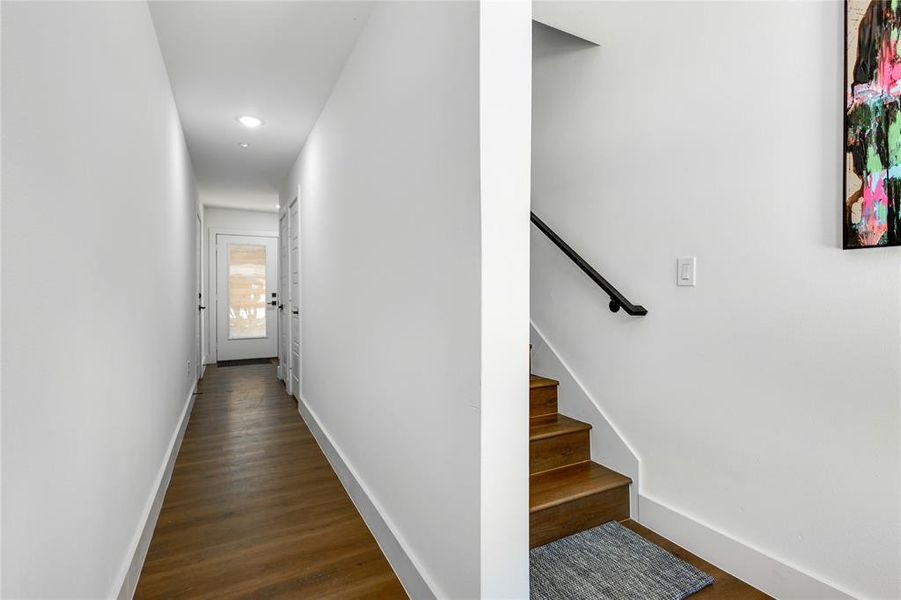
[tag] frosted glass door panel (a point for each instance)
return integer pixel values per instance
(246, 291)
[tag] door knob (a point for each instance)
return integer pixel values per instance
(295, 312)
(199, 307)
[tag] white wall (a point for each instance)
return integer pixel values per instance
(390, 287)
(235, 221)
(763, 403)
(98, 246)
(505, 90)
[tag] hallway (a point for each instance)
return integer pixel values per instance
(254, 508)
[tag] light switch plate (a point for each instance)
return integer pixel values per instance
(686, 270)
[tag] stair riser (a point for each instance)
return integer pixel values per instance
(543, 401)
(578, 515)
(559, 451)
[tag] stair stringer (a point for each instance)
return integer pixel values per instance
(608, 446)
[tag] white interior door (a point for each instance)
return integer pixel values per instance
(283, 305)
(294, 260)
(246, 280)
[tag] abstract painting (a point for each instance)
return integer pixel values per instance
(872, 174)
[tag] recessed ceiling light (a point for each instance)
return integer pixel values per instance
(250, 121)
(278, 206)
(244, 145)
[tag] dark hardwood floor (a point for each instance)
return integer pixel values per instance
(254, 509)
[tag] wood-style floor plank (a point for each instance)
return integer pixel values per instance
(254, 510)
(725, 586)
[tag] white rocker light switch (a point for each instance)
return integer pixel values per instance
(686, 270)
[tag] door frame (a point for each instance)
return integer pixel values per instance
(200, 367)
(295, 302)
(213, 274)
(283, 272)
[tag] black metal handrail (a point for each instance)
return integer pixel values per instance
(617, 300)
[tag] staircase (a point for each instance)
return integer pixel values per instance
(568, 493)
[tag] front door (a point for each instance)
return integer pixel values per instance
(246, 282)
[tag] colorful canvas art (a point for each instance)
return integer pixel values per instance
(872, 190)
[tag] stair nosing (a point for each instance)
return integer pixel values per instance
(583, 426)
(547, 414)
(543, 382)
(558, 468)
(625, 482)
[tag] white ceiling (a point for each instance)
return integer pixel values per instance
(276, 60)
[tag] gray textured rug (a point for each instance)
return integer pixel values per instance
(612, 562)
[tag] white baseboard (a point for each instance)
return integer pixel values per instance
(752, 566)
(131, 570)
(409, 572)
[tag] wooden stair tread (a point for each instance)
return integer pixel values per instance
(536, 381)
(551, 488)
(551, 425)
